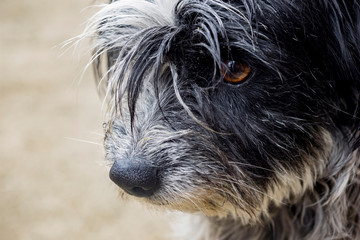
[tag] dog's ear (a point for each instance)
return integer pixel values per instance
(345, 17)
(342, 38)
(327, 45)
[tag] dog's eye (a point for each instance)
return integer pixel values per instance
(235, 72)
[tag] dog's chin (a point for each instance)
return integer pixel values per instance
(211, 205)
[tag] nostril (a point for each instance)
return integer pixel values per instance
(140, 192)
(135, 177)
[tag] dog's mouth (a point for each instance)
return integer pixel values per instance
(190, 199)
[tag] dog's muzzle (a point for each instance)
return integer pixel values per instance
(135, 177)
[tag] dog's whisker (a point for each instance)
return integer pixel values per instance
(235, 182)
(82, 141)
(241, 164)
(98, 134)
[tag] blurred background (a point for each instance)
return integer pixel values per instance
(53, 179)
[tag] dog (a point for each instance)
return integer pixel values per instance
(242, 113)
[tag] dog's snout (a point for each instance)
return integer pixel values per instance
(135, 177)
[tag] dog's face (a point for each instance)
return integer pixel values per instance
(223, 107)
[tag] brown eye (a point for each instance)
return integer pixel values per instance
(235, 72)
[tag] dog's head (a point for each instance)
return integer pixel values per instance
(227, 107)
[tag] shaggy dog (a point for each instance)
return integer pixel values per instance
(242, 112)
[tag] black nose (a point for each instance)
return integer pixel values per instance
(135, 177)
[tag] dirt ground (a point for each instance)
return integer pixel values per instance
(53, 179)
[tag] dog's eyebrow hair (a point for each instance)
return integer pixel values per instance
(153, 43)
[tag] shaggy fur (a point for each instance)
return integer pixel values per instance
(275, 157)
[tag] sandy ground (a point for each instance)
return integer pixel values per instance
(52, 186)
